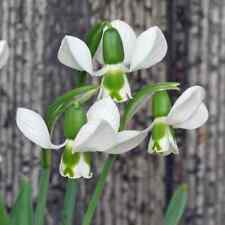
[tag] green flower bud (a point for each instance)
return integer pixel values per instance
(74, 119)
(161, 104)
(113, 51)
(94, 36)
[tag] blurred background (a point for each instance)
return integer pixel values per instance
(140, 185)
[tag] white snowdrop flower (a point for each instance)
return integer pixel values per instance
(189, 112)
(137, 53)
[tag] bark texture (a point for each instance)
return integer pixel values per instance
(197, 37)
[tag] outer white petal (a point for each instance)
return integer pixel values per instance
(32, 125)
(105, 109)
(95, 136)
(186, 105)
(127, 140)
(75, 54)
(197, 119)
(150, 48)
(128, 38)
(4, 53)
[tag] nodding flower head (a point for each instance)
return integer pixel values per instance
(119, 52)
(97, 131)
(189, 112)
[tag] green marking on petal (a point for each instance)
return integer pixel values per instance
(114, 80)
(159, 131)
(160, 142)
(75, 165)
(114, 84)
(69, 161)
(87, 157)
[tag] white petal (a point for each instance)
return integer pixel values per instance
(32, 125)
(150, 48)
(74, 53)
(128, 38)
(94, 136)
(127, 140)
(196, 120)
(105, 109)
(186, 105)
(4, 53)
(99, 53)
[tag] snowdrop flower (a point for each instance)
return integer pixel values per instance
(4, 53)
(119, 52)
(100, 134)
(189, 112)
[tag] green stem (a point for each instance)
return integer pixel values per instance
(69, 202)
(80, 78)
(98, 191)
(39, 215)
(42, 197)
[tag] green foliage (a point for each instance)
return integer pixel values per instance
(69, 202)
(94, 37)
(4, 218)
(142, 97)
(176, 206)
(22, 212)
(62, 103)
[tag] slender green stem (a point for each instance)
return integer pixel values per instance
(69, 202)
(39, 214)
(98, 191)
(42, 197)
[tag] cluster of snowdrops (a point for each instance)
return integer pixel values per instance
(111, 51)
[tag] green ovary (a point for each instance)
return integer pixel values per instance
(113, 83)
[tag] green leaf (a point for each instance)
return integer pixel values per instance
(60, 105)
(142, 97)
(4, 218)
(176, 206)
(69, 202)
(42, 197)
(94, 37)
(22, 211)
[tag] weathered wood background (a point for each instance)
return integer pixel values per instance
(139, 185)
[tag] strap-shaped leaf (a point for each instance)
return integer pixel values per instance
(22, 211)
(4, 218)
(176, 206)
(142, 97)
(81, 95)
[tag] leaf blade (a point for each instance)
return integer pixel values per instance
(176, 206)
(22, 212)
(81, 94)
(4, 217)
(141, 97)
